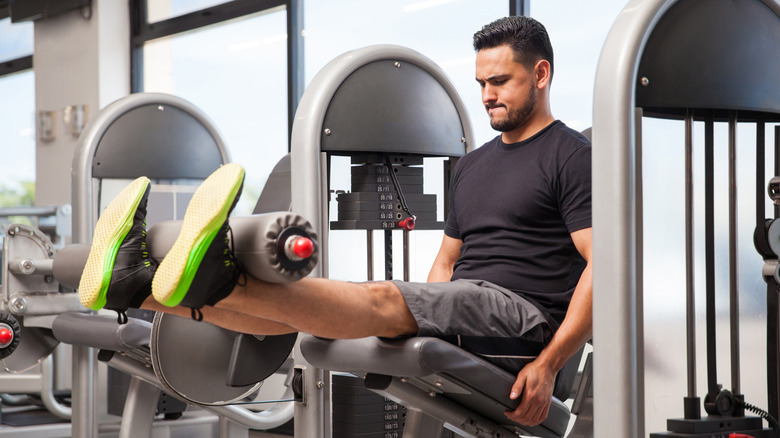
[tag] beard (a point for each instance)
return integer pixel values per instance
(517, 117)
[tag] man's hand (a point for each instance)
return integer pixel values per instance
(535, 383)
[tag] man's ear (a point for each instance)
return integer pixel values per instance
(542, 73)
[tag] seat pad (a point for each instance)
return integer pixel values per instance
(459, 375)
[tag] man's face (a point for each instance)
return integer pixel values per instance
(508, 89)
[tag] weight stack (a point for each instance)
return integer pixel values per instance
(361, 413)
(374, 202)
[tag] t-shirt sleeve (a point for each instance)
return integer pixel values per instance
(575, 190)
(451, 228)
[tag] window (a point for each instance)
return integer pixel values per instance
(236, 72)
(165, 9)
(17, 115)
(16, 40)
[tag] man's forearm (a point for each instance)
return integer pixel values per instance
(577, 326)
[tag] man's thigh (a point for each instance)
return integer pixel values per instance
(480, 317)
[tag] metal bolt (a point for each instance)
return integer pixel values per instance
(644, 81)
(431, 394)
(48, 279)
(397, 64)
(320, 384)
(439, 383)
(160, 108)
(463, 139)
(18, 305)
(27, 266)
(327, 131)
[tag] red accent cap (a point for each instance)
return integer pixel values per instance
(407, 224)
(303, 247)
(6, 336)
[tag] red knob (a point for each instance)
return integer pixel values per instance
(303, 247)
(6, 336)
(299, 248)
(407, 224)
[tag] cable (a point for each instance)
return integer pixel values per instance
(398, 190)
(763, 414)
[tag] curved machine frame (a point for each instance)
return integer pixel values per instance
(617, 183)
(309, 186)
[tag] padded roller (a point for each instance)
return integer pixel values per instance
(259, 245)
(262, 243)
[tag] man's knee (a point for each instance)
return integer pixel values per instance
(390, 305)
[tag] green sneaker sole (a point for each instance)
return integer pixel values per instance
(110, 231)
(207, 212)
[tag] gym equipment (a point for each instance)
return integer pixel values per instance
(705, 41)
(387, 108)
(133, 136)
(439, 384)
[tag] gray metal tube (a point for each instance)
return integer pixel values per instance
(733, 274)
(69, 264)
(140, 406)
(84, 418)
(47, 392)
(618, 391)
(84, 206)
(268, 419)
(690, 303)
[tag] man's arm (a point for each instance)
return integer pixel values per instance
(449, 252)
(536, 380)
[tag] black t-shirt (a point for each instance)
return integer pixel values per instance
(514, 207)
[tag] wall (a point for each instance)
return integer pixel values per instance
(78, 61)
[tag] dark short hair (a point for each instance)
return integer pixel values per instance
(527, 37)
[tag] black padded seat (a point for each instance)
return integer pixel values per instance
(443, 373)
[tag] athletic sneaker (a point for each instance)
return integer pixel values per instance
(118, 274)
(200, 268)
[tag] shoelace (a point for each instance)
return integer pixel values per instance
(122, 317)
(239, 271)
(237, 274)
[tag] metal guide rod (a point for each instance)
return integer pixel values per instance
(370, 254)
(406, 255)
(690, 308)
(388, 255)
(760, 173)
(709, 251)
(733, 274)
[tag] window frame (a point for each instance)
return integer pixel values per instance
(141, 31)
(17, 65)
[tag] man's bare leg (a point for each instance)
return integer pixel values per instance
(326, 308)
(227, 319)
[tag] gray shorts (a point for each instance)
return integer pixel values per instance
(480, 317)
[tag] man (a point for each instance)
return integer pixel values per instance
(512, 278)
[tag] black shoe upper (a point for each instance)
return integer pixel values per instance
(131, 278)
(218, 273)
